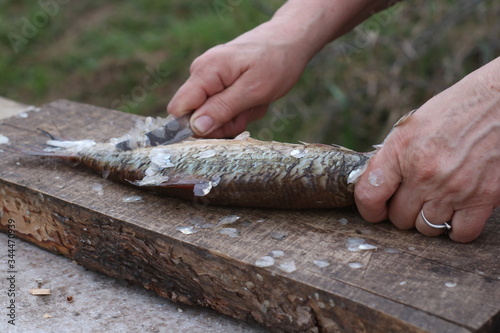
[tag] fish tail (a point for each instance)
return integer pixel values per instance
(40, 150)
(51, 149)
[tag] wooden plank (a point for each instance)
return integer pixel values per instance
(9, 108)
(409, 283)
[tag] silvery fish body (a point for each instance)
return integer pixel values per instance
(240, 172)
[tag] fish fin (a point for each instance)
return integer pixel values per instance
(404, 118)
(179, 182)
(400, 122)
(339, 147)
(178, 185)
(163, 184)
(52, 136)
(324, 145)
(244, 136)
(53, 148)
(197, 186)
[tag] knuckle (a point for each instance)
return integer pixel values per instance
(197, 64)
(490, 193)
(424, 165)
(427, 171)
(222, 111)
(204, 61)
(258, 93)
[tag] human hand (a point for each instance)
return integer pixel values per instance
(234, 83)
(444, 159)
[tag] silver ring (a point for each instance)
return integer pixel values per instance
(435, 226)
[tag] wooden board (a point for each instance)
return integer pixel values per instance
(410, 283)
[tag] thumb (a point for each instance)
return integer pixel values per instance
(377, 185)
(220, 108)
(239, 123)
(210, 75)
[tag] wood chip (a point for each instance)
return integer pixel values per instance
(39, 292)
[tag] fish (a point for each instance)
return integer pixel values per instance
(239, 172)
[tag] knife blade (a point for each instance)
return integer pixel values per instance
(174, 130)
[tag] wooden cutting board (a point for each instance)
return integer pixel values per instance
(408, 283)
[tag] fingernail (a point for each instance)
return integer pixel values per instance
(203, 124)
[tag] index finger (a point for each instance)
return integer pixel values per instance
(193, 94)
(376, 186)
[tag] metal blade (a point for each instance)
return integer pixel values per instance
(173, 131)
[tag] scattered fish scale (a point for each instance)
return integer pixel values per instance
(98, 188)
(228, 219)
(355, 244)
(265, 261)
(132, 198)
(3, 139)
(355, 265)
(288, 266)
(187, 230)
(231, 232)
(321, 263)
(343, 221)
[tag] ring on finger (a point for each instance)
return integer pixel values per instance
(446, 225)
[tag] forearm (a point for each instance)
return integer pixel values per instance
(314, 23)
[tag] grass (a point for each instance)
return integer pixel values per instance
(350, 94)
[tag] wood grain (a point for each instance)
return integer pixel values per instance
(427, 285)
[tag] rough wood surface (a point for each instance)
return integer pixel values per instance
(410, 283)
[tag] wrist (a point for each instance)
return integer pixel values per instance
(489, 75)
(313, 24)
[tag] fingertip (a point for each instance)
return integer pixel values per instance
(190, 96)
(370, 208)
(468, 224)
(171, 107)
(466, 237)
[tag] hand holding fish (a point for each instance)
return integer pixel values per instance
(444, 160)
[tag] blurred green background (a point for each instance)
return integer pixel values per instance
(133, 55)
